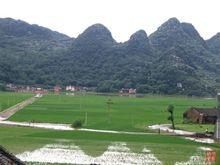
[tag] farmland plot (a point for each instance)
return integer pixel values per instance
(124, 114)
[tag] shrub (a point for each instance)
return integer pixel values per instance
(77, 124)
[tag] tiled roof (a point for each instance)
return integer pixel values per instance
(207, 111)
(8, 158)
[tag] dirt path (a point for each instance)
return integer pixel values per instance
(67, 127)
(166, 128)
(12, 110)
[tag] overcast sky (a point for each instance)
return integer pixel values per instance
(121, 17)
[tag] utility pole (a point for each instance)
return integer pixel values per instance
(109, 103)
(218, 100)
(86, 119)
(132, 120)
(80, 102)
(217, 124)
(59, 97)
(80, 107)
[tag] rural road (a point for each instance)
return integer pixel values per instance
(12, 110)
(166, 128)
(67, 127)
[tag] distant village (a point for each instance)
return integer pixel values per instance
(69, 88)
(58, 89)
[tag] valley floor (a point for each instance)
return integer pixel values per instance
(34, 132)
(125, 114)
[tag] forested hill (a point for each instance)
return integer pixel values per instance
(174, 54)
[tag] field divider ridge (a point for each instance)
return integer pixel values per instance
(5, 114)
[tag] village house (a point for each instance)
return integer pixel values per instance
(78, 88)
(132, 91)
(179, 85)
(73, 88)
(11, 87)
(201, 115)
(70, 88)
(39, 91)
(57, 89)
(25, 89)
(127, 91)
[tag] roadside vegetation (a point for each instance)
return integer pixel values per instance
(77, 124)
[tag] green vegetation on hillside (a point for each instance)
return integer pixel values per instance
(174, 54)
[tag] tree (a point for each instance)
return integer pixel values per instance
(170, 109)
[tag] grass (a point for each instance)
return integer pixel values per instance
(196, 128)
(8, 99)
(168, 149)
(127, 114)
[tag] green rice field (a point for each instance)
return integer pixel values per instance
(122, 114)
(168, 149)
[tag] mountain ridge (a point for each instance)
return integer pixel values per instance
(175, 53)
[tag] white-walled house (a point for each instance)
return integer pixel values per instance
(70, 88)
